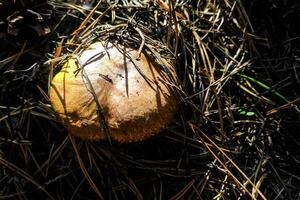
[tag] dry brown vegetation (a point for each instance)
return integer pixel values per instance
(236, 135)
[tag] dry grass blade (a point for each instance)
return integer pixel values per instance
(184, 190)
(258, 184)
(85, 21)
(24, 175)
(285, 106)
(53, 156)
(83, 168)
(231, 161)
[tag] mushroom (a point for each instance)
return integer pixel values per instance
(113, 92)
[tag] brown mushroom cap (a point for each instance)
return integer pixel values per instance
(107, 92)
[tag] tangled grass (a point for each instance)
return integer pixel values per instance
(233, 138)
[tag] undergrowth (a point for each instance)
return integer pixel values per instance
(235, 135)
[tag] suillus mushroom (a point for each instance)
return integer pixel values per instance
(113, 92)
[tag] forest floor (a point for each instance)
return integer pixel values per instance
(236, 133)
